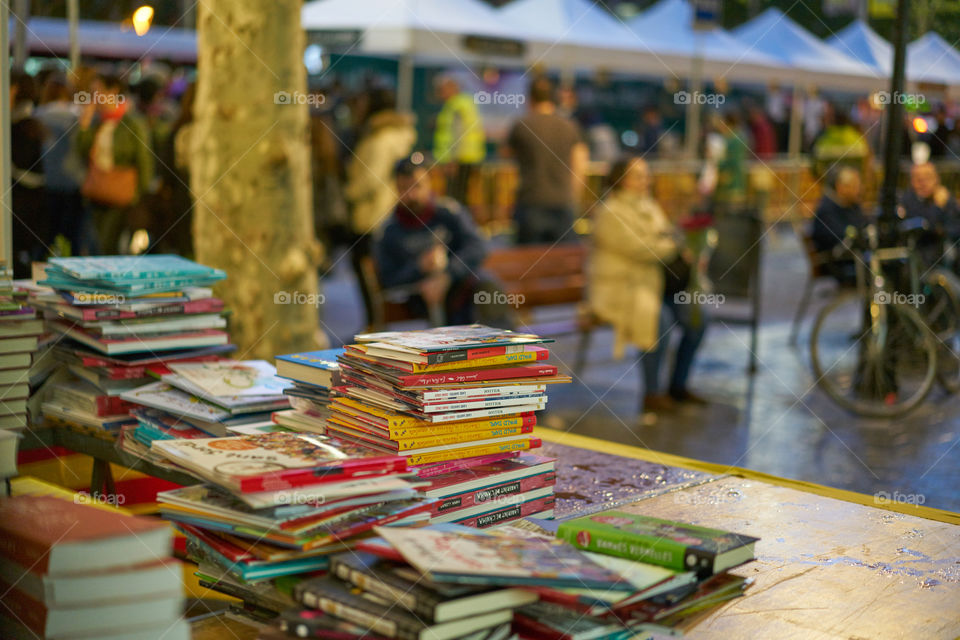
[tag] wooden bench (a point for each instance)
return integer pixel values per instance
(536, 275)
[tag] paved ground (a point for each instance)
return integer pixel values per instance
(775, 421)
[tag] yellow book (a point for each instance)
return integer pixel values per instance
(531, 354)
(422, 441)
(403, 426)
(471, 452)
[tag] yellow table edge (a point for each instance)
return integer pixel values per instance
(640, 453)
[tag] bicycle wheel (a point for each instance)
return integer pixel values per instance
(940, 308)
(877, 369)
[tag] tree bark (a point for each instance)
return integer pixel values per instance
(250, 173)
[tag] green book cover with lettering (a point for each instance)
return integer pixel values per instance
(675, 545)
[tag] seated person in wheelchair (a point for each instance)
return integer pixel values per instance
(839, 210)
(932, 202)
(429, 248)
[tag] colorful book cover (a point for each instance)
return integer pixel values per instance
(451, 337)
(675, 545)
(233, 377)
(529, 354)
(467, 558)
(127, 267)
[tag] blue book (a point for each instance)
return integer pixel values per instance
(130, 267)
(318, 368)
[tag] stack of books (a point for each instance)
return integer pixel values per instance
(679, 572)
(203, 399)
(313, 375)
(279, 503)
(118, 321)
(74, 571)
(454, 399)
(19, 333)
(440, 581)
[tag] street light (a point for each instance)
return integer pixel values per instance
(142, 18)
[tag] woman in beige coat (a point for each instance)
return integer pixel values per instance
(634, 242)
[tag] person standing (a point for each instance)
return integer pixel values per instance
(62, 169)
(459, 143)
(115, 142)
(386, 137)
(635, 251)
(552, 158)
(30, 226)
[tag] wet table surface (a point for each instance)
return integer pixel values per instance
(825, 568)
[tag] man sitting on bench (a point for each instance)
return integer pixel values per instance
(430, 247)
(839, 209)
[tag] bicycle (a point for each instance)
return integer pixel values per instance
(877, 351)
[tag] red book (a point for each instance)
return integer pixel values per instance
(508, 513)
(54, 536)
(92, 314)
(477, 375)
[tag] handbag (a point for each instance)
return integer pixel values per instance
(116, 187)
(676, 276)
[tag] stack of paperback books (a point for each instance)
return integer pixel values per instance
(278, 504)
(74, 571)
(19, 333)
(120, 319)
(313, 375)
(203, 399)
(441, 581)
(453, 399)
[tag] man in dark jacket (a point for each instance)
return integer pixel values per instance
(931, 201)
(839, 209)
(430, 248)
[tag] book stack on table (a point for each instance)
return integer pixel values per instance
(20, 331)
(202, 399)
(312, 374)
(119, 319)
(459, 404)
(278, 504)
(70, 570)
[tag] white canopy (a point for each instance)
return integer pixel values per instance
(51, 36)
(810, 59)
(425, 29)
(930, 58)
(667, 29)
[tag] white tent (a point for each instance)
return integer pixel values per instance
(51, 36)
(572, 34)
(810, 60)
(667, 28)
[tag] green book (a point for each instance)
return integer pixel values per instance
(675, 545)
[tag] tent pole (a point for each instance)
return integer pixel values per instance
(891, 151)
(796, 122)
(405, 83)
(22, 11)
(73, 18)
(6, 212)
(693, 104)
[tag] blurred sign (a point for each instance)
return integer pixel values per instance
(494, 46)
(883, 8)
(706, 14)
(336, 39)
(835, 8)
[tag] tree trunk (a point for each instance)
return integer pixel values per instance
(250, 173)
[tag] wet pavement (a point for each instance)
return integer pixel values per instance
(776, 421)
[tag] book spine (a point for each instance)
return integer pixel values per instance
(509, 422)
(456, 416)
(532, 355)
(457, 438)
(296, 478)
(370, 582)
(440, 357)
(441, 395)
(25, 551)
(508, 513)
(461, 501)
(623, 545)
(470, 452)
(428, 379)
(363, 527)
(369, 620)
(482, 403)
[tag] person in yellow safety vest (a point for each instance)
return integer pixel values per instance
(459, 143)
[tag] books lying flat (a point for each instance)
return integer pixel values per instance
(272, 461)
(149, 327)
(54, 536)
(431, 601)
(670, 544)
(349, 426)
(160, 395)
(236, 405)
(518, 356)
(378, 616)
(113, 346)
(498, 510)
(467, 558)
(121, 268)
(448, 338)
(232, 377)
(313, 367)
(72, 415)
(131, 311)
(466, 377)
